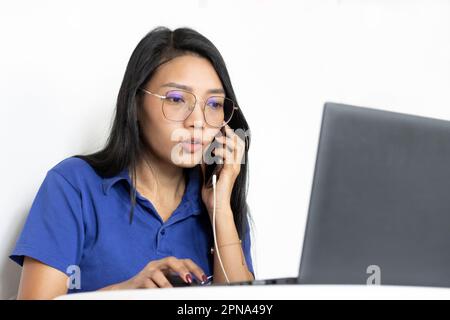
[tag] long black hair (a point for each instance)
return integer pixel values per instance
(124, 147)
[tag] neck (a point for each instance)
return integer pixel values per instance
(162, 181)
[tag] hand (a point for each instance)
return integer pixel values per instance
(231, 155)
(154, 275)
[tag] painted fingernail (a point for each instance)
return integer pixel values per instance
(189, 278)
(204, 278)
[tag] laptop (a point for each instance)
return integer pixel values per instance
(379, 210)
(380, 202)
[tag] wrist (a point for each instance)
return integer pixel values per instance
(222, 213)
(120, 286)
(222, 203)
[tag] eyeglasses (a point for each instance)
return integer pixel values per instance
(177, 105)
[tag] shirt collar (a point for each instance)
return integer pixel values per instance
(192, 192)
(107, 183)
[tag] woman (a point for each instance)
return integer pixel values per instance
(138, 212)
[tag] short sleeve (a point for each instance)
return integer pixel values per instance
(53, 232)
(246, 248)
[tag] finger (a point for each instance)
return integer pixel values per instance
(160, 280)
(195, 269)
(239, 154)
(225, 154)
(228, 142)
(236, 138)
(148, 283)
(229, 132)
(177, 266)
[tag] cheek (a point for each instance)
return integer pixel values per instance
(157, 132)
(152, 114)
(159, 136)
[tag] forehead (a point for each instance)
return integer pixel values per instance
(193, 71)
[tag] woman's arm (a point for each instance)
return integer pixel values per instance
(230, 249)
(40, 281)
(231, 152)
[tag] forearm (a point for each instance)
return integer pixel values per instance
(231, 253)
(116, 286)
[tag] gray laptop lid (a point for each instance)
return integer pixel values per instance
(380, 200)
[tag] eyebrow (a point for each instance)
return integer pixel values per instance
(187, 88)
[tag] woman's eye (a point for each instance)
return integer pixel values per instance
(175, 99)
(215, 104)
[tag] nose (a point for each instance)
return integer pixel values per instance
(196, 118)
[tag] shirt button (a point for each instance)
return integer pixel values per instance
(163, 231)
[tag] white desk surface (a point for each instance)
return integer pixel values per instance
(270, 292)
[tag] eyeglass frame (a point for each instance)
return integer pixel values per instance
(163, 97)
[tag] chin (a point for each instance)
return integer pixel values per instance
(187, 160)
(187, 165)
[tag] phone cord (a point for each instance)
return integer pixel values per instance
(214, 180)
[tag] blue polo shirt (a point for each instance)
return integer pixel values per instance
(80, 220)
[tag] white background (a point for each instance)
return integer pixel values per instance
(62, 62)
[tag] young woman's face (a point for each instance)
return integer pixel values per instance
(166, 139)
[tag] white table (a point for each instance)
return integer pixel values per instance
(271, 292)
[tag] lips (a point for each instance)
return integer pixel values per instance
(192, 144)
(193, 141)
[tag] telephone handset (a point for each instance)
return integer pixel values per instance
(214, 168)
